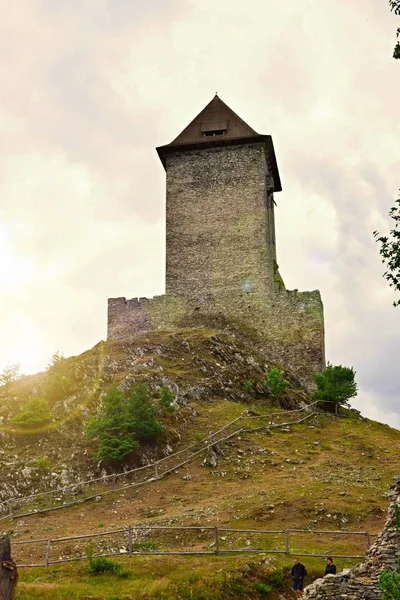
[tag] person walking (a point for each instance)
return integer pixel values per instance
(330, 568)
(298, 573)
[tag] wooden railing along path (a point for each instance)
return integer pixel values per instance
(159, 540)
(68, 495)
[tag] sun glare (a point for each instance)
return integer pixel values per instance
(14, 269)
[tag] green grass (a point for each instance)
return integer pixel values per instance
(167, 578)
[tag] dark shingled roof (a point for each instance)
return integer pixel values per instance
(229, 129)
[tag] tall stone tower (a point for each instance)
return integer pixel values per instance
(221, 268)
(221, 177)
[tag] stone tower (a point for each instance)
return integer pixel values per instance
(220, 230)
(221, 268)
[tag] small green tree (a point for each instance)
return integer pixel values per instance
(336, 384)
(167, 398)
(248, 385)
(123, 422)
(34, 415)
(275, 382)
(146, 427)
(58, 382)
(10, 373)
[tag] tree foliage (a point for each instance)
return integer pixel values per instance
(390, 250)
(395, 7)
(390, 578)
(275, 382)
(59, 380)
(10, 373)
(123, 422)
(34, 415)
(167, 398)
(336, 384)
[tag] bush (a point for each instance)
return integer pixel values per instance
(59, 380)
(275, 382)
(389, 582)
(336, 384)
(123, 422)
(167, 398)
(43, 463)
(101, 565)
(35, 414)
(248, 385)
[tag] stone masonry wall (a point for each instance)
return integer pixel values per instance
(289, 324)
(219, 222)
(362, 582)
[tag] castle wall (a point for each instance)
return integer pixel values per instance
(220, 228)
(290, 325)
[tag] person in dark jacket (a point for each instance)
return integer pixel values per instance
(330, 568)
(298, 573)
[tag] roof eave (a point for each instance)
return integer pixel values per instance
(162, 151)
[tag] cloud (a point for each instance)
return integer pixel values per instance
(89, 89)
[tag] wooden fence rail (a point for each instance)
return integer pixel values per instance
(131, 533)
(147, 473)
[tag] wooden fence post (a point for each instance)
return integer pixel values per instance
(216, 551)
(10, 507)
(287, 541)
(368, 539)
(8, 570)
(47, 553)
(156, 470)
(130, 541)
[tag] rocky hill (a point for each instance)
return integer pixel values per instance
(197, 365)
(327, 473)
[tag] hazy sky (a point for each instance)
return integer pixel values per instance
(90, 87)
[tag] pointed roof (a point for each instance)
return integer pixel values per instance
(219, 125)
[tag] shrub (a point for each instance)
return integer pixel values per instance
(59, 380)
(43, 463)
(275, 382)
(35, 414)
(248, 385)
(389, 582)
(123, 422)
(263, 588)
(336, 384)
(167, 398)
(100, 565)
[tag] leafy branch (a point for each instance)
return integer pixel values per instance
(390, 248)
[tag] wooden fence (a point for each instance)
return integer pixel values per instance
(75, 494)
(180, 541)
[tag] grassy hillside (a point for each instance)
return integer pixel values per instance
(329, 473)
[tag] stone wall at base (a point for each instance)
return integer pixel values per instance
(290, 324)
(362, 582)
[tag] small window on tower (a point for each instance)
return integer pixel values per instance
(214, 132)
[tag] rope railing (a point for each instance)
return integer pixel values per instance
(156, 468)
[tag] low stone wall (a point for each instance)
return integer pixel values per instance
(362, 581)
(290, 324)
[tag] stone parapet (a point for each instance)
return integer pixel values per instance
(289, 324)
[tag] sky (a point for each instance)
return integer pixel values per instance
(89, 88)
